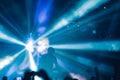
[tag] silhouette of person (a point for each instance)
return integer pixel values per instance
(48, 62)
(43, 74)
(27, 75)
(4, 78)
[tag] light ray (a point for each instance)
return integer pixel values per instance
(10, 39)
(72, 59)
(84, 22)
(30, 45)
(30, 48)
(33, 66)
(42, 45)
(100, 46)
(7, 38)
(88, 6)
(8, 22)
(20, 32)
(8, 59)
(28, 12)
(80, 11)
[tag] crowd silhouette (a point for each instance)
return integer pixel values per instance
(48, 63)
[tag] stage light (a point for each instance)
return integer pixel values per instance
(100, 46)
(78, 12)
(5, 37)
(10, 39)
(30, 48)
(63, 22)
(30, 45)
(43, 44)
(7, 60)
(73, 46)
(87, 7)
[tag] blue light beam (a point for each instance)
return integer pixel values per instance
(100, 46)
(43, 9)
(10, 39)
(5, 37)
(33, 66)
(10, 24)
(8, 59)
(28, 12)
(80, 11)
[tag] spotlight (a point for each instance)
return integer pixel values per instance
(42, 44)
(80, 11)
(7, 38)
(30, 45)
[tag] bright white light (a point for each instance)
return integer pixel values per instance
(1, 65)
(8, 38)
(30, 45)
(8, 59)
(87, 7)
(33, 66)
(72, 46)
(62, 23)
(42, 44)
(100, 46)
(37, 78)
(79, 11)
(5, 35)
(3, 62)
